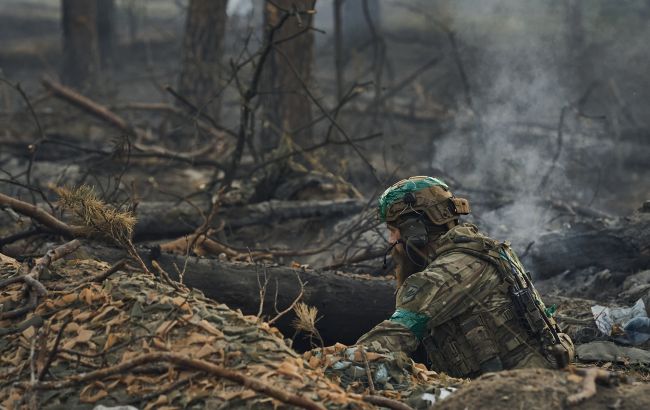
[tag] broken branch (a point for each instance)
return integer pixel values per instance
(39, 215)
(35, 289)
(179, 360)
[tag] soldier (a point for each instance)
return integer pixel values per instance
(465, 296)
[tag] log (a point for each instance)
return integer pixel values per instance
(348, 305)
(168, 220)
(621, 246)
(164, 219)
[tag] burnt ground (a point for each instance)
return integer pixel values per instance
(599, 179)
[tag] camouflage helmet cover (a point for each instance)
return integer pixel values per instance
(421, 193)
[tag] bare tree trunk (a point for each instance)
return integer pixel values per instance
(287, 108)
(581, 72)
(338, 48)
(202, 49)
(106, 31)
(358, 35)
(80, 55)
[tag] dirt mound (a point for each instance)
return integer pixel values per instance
(130, 339)
(105, 336)
(540, 389)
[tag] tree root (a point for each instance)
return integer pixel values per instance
(588, 389)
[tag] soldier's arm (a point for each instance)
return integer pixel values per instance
(406, 327)
(391, 335)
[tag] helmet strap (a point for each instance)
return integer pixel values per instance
(390, 248)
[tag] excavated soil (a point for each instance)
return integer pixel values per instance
(538, 389)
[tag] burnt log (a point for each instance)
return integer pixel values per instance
(348, 305)
(166, 219)
(621, 246)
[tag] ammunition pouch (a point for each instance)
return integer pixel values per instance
(464, 347)
(527, 311)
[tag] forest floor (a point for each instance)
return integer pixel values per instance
(212, 320)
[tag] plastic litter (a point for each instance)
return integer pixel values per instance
(626, 325)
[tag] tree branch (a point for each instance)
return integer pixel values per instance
(42, 217)
(182, 361)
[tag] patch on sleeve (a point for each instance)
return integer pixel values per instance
(415, 322)
(409, 293)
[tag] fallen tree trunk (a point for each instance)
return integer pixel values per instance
(165, 219)
(620, 247)
(158, 219)
(348, 305)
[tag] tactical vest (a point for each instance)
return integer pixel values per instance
(477, 341)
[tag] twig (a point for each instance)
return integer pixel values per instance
(371, 383)
(262, 289)
(558, 149)
(32, 147)
(30, 107)
(368, 255)
(103, 113)
(383, 401)
(183, 361)
(247, 97)
(405, 81)
(202, 230)
(292, 305)
(164, 275)
(32, 395)
(104, 275)
(195, 112)
(206, 246)
(55, 348)
(155, 394)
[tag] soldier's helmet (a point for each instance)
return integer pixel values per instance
(421, 194)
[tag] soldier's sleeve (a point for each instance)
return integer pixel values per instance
(392, 336)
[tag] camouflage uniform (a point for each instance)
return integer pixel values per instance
(461, 308)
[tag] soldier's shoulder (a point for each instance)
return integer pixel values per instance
(467, 240)
(456, 262)
(454, 256)
(465, 233)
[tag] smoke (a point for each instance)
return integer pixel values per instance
(515, 56)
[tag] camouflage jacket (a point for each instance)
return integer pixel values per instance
(461, 309)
